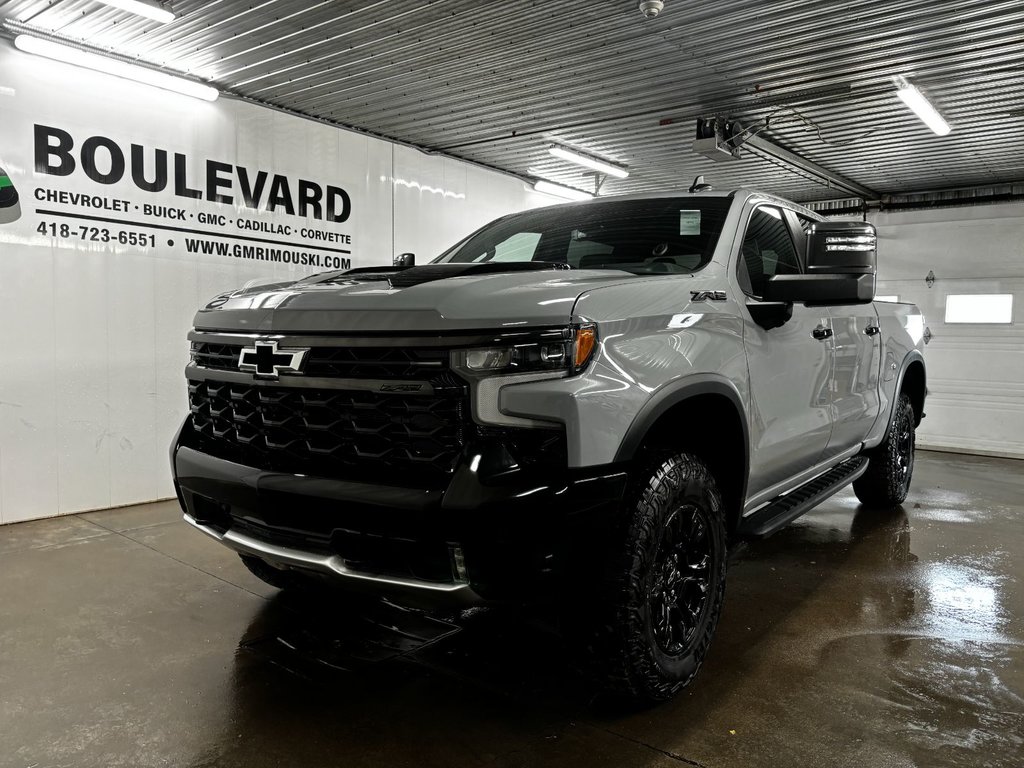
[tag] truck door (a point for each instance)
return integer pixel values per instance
(858, 350)
(790, 366)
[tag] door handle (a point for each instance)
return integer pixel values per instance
(872, 330)
(821, 333)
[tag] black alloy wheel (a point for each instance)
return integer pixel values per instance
(886, 482)
(905, 454)
(680, 586)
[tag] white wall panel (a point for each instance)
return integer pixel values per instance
(82, 353)
(93, 334)
(438, 201)
(975, 372)
(28, 391)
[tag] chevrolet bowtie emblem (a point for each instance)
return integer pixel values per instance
(265, 359)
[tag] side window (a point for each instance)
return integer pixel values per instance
(768, 248)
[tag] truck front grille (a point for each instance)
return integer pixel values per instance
(339, 362)
(333, 432)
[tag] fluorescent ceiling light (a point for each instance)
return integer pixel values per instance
(568, 193)
(920, 106)
(80, 58)
(589, 162)
(140, 8)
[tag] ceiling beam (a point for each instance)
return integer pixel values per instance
(759, 145)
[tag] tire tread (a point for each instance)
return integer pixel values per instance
(628, 667)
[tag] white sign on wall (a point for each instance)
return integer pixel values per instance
(123, 209)
(148, 196)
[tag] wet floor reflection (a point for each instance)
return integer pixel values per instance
(839, 645)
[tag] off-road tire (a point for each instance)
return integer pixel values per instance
(648, 653)
(275, 577)
(891, 465)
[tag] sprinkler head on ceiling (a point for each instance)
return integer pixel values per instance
(651, 8)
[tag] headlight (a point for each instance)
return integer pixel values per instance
(569, 350)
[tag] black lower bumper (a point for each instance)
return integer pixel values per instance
(514, 534)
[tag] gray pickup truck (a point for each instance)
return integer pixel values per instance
(584, 403)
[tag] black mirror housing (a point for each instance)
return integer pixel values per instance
(405, 260)
(841, 265)
(821, 289)
(842, 248)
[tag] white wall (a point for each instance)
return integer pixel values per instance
(975, 372)
(93, 334)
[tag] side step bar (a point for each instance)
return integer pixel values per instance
(788, 507)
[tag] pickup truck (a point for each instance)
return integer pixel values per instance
(585, 403)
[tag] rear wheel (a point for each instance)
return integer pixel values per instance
(668, 582)
(891, 466)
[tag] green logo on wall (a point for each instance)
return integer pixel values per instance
(10, 208)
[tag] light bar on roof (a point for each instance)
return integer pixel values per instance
(601, 166)
(116, 67)
(920, 106)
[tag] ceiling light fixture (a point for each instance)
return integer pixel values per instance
(566, 193)
(601, 166)
(920, 106)
(116, 67)
(141, 8)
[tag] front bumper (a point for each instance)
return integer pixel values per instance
(511, 535)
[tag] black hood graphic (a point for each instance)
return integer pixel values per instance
(10, 208)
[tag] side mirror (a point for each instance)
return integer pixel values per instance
(405, 260)
(841, 258)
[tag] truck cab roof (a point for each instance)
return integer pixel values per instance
(741, 194)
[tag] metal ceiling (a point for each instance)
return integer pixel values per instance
(496, 82)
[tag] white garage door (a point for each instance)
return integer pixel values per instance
(975, 368)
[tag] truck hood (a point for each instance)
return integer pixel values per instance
(449, 298)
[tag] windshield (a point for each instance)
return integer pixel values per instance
(665, 235)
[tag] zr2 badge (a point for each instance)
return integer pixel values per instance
(707, 295)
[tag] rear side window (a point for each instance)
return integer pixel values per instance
(768, 248)
(805, 223)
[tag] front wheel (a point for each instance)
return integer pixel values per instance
(891, 466)
(668, 583)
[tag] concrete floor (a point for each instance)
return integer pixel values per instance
(852, 638)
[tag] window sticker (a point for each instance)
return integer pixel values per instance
(689, 222)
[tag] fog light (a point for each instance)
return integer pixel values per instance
(459, 564)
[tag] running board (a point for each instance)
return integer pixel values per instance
(788, 507)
